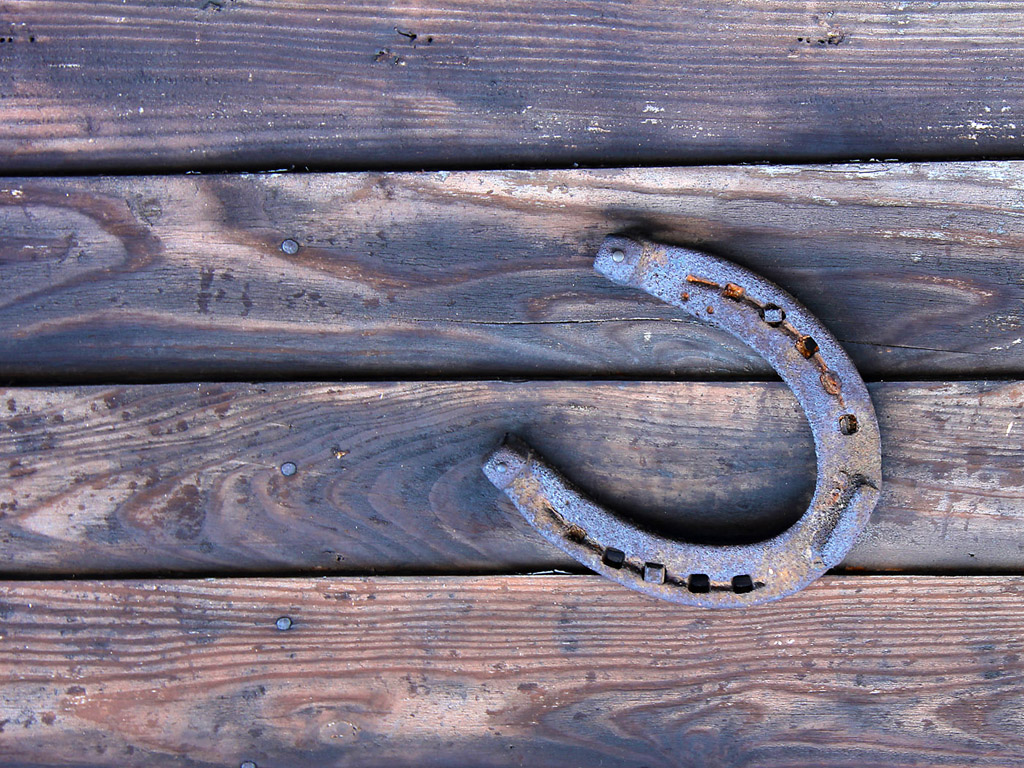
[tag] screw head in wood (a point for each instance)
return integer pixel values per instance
(284, 623)
(288, 468)
(289, 246)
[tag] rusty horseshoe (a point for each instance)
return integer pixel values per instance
(826, 384)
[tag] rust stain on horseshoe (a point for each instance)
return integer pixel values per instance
(826, 384)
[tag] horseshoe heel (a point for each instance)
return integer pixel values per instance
(828, 388)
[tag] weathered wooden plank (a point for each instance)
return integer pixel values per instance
(496, 671)
(187, 478)
(915, 268)
(263, 84)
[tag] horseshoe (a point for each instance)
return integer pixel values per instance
(826, 384)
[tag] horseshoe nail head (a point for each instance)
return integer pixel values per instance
(830, 392)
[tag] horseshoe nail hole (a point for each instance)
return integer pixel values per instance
(654, 573)
(576, 534)
(614, 558)
(848, 424)
(807, 346)
(733, 291)
(699, 583)
(831, 383)
(742, 583)
(772, 314)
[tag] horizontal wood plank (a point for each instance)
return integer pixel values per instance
(915, 268)
(248, 84)
(187, 478)
(539, 671)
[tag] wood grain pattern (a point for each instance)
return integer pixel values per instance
(200, 84)
(915, 268)
(186, 478)
(540, 671)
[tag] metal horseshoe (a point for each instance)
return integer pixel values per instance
(828, 388)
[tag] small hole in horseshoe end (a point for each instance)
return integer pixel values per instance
(699, 583)
(614, 558)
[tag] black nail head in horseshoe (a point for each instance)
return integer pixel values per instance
(830, 391)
